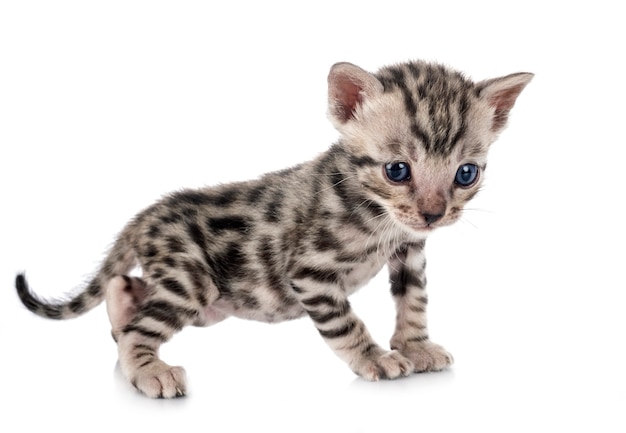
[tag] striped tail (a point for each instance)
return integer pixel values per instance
(89, 298)
(120, 261)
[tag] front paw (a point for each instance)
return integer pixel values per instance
(380, 364)
(426, 356)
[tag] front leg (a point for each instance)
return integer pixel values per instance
(408, 287)
(345, 333)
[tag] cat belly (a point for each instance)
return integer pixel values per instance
(268, 312)
(264, 304)
(210, 316)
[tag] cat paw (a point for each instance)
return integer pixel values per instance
(427, 356)
(383, 365)
(159, 380)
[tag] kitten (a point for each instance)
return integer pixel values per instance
(413, 144)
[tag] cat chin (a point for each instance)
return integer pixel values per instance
(422, 231)
(413, 228)
(418, 231)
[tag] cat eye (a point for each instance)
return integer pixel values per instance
(398, 171)
(466, 175)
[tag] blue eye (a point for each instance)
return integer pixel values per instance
(466, 175)
(397, 171)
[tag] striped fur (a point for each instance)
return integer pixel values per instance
(300, 241)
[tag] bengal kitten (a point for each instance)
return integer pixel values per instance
(413, 145)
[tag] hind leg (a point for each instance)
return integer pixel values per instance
(123, 296)
(172, 303)
(127, 304)
(139, 360)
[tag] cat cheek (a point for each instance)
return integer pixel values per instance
(470, 194)
(455, 213)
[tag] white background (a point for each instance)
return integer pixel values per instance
(105, 106)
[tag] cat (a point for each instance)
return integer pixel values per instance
(412, 149)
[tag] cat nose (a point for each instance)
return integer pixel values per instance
(431, 206)
(430, 218)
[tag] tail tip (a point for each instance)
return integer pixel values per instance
(20, 283)
(23, 291)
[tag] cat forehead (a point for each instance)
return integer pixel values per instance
(425, 80)
(433, 102)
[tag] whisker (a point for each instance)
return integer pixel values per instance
(368, 201)
(326, 174)
(375, 217)
(479, 210)
(466, 221)
(336, 183)
(376, 230)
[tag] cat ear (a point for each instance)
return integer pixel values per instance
(501, 93)
(348, 87)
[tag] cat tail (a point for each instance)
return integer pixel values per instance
(119, 261)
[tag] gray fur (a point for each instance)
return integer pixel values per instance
(300, 241)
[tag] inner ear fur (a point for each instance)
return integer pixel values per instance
(501, 93)
(348, 86)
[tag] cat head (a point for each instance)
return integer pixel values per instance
(420, 133)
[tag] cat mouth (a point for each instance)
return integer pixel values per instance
(422, 226)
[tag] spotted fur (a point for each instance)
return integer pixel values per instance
(298, 242)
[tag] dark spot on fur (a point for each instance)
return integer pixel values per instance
(402, 278)
(249, 301)
(144, 331)
(255, 194)
(77, 305)
(157, 273)
(162, 311)
(150, 251)
(324, 240)
(169, 218)
(338, 332)
(232, 223)
(94, 289)
(226, 266)
(175, 287)
(170, 261)
(318, 300)
(175, 245)
(320, 275)
(362, 161)
(154, 231)
(274, 207)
